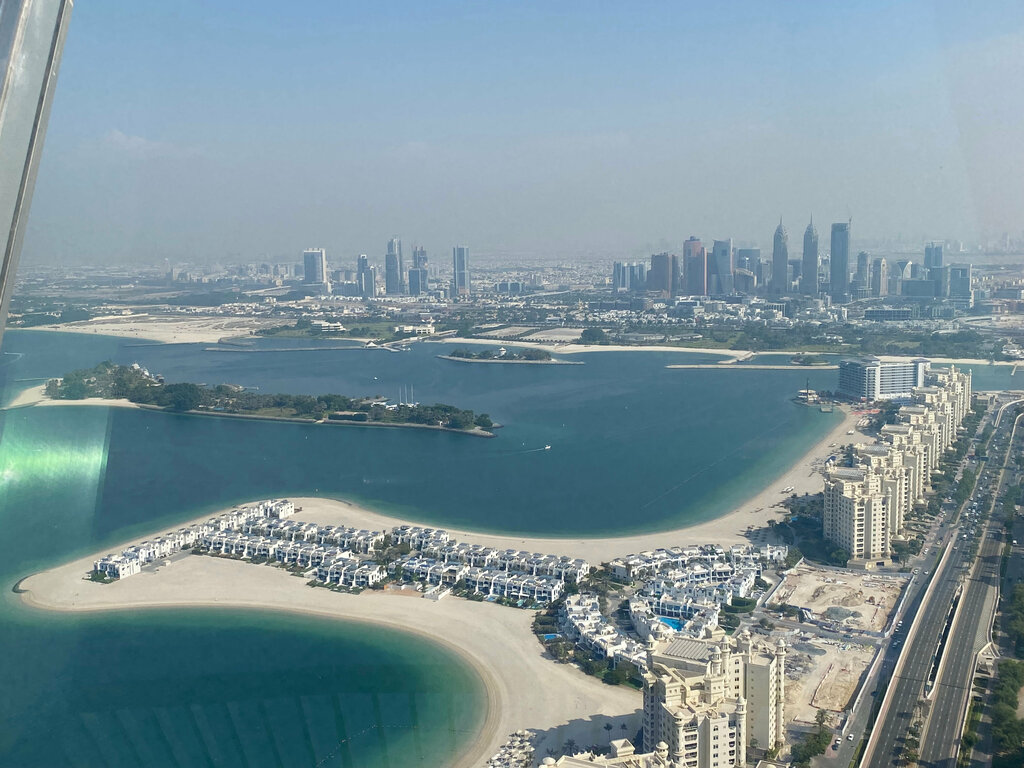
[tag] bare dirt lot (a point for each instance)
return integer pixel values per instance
(823, 674)
(556, 335)
(851, 599)
(510, 332)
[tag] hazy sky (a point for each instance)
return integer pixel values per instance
(228, 129)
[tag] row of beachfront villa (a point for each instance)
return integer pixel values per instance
(130, 560)
(338, 555)
(482, 581)
(648, 563)
(437, 544)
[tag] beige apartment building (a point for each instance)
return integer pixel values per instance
(866, 506)
(707, 700)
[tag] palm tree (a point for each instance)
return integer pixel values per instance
(608, 728)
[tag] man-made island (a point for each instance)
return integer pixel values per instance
(135, 384)
(529, 355)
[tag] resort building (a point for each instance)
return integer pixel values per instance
(870, 378)
(706, 701)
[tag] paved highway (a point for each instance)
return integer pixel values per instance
(908, 685)
(940, 746)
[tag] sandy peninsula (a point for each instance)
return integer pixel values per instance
(524, 688)
(169, 329)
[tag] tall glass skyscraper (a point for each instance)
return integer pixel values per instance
(809, 267)
(394, 268)
(780, 260)
(720, 268)
(839, 272)
(460, 274)
(695, 267)
(314, 266)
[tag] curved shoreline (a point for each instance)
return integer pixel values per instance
(34, 396)
(524, 688)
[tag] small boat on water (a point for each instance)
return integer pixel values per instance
(547, 447)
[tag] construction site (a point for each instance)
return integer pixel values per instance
(841, 599)
(823, 674)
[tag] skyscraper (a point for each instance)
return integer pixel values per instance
(314, 265)
(461, 285)
(720, 268)
(695, 267)
(809, 270)
(839, 259)
(419, 257)
(780, 260)
(417, 280)
(879, 277)
(863, 267)
(659, 277)
(365, 277)
(394, 268)
(933, 255)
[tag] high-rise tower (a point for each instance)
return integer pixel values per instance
(720, 268)
(314, 266)
(695, 267)
(809, 268)
(394, 269)
(780, 260)
(460, 271)
(839, 260)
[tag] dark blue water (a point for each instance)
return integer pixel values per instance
(635, 446)
(185, 687)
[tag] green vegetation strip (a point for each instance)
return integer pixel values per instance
(132, 383)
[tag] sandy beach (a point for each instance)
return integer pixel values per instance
(727, 529)
(524, 688)
(170, 329)
(571, 349)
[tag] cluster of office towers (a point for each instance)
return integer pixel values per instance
(865, 505)
(726, 270)
(365, 281)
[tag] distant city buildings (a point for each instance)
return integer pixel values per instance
(879, 278)
(394, 269)
(461, 284)
(664, 275)
(314, 265)
(809, 269)
(695, 267)
(366, 277)
(780, 260)
(720, 268)
(839, 259)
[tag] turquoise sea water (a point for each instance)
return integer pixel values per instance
(191, 687)
(635, 446)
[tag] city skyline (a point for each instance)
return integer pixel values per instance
(912, 136)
